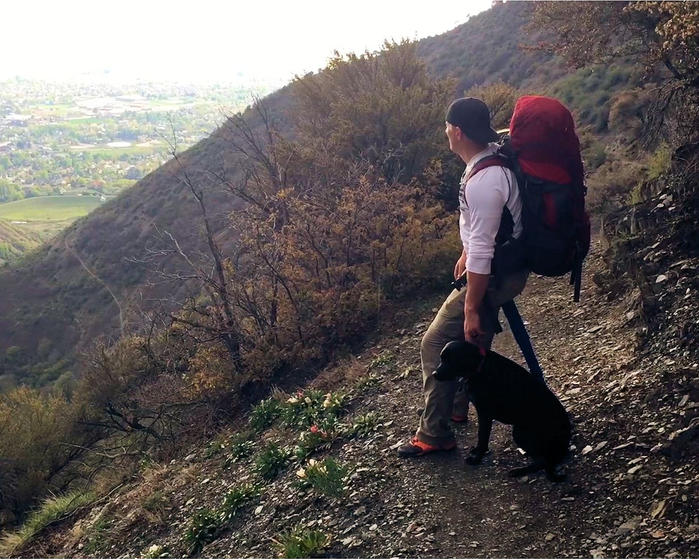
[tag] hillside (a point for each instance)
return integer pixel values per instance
(14, 241)
(630, 490)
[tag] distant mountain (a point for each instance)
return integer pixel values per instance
(65, 294)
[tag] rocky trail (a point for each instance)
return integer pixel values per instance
(631, 487)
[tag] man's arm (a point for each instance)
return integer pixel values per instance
(475, 292)
(486, 196)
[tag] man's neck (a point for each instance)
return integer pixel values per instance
(468, 151)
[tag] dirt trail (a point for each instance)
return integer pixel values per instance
(622, 496)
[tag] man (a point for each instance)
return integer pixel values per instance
(489, 207)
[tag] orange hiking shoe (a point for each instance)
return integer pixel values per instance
(417, 448)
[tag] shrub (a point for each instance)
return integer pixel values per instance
(659, 162)
(301, 542)
(203, 529)
(271, 461)
(34, 429)
(241, 446)
(264, 414)
(326, 476)
(318, 436)
(365, 424)
(236, 499)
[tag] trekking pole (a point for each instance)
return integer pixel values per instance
(521, 335)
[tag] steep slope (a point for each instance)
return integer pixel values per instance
(14, 242)
(53, 291)
(630, 491)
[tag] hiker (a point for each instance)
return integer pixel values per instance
(490, 210)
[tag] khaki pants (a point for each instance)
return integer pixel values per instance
(441, 397)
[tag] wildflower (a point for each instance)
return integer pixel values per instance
(292, 400)
(314, 429)
(301, 473)
(312, 462)
(308, 400)
(327, 403)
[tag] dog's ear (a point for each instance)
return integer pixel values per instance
(451, 352)
(450, 365)
(463, 355)
(471, 352)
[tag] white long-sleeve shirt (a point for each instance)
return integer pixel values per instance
(481, 201)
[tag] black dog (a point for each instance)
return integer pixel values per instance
(504, 391)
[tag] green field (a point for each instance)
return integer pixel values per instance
(48, 208)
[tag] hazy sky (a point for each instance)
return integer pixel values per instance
(207, 39)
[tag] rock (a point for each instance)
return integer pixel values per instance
(628, 526)
(549, 537)
(361, 510)
(658, 509)
(660, 279)
(634, 470)
(586, 449)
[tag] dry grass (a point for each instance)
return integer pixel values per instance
(52, 510)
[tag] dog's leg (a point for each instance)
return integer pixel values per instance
(485, 424)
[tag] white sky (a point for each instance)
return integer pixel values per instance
(207, 40)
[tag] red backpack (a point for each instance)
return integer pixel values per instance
(544, 153)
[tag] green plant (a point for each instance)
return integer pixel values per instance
(326, 476)
(215, 447)
(301, 542)
(264, 414)
(236, 499)
(240, 448)
(52, 510)
(659, 162)
(318, 436)
(157, 504)
(365, 424)
(203, 528)
(367, 381)
(96, 535)
(382, 361)
(271, 461)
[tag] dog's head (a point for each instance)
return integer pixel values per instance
(458, 359)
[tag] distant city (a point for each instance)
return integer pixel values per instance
(66, 147)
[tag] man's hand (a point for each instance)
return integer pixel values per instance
(472, 327)
(460, 265)
(475, 292)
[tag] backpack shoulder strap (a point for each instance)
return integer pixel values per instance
(488, 161)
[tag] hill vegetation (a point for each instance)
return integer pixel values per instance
(279, 243)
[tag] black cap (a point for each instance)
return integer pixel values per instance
(472, 116)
